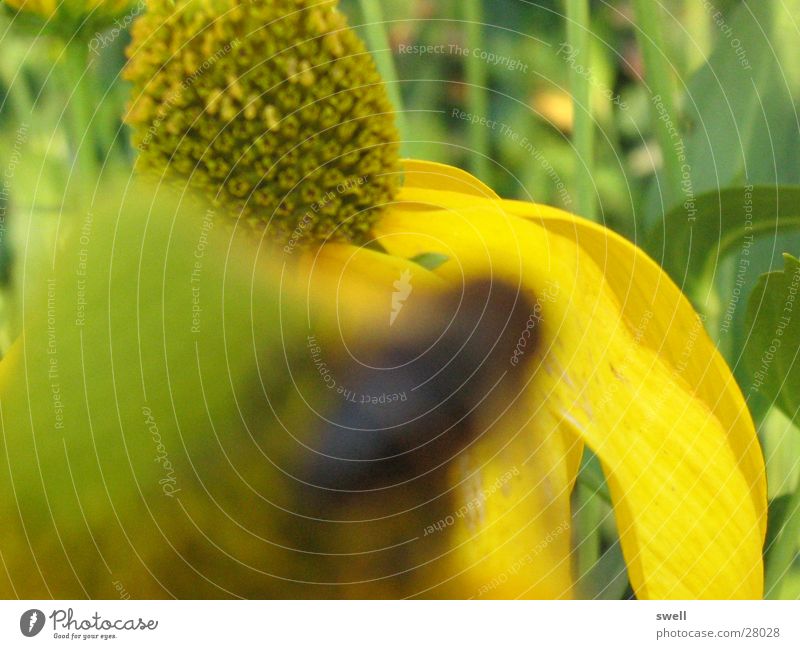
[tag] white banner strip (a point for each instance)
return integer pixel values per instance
(402, 624)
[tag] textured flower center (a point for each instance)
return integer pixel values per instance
(273, 108)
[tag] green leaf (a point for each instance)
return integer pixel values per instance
(740, 108)
(783, 537)
(743, 101)
(696, 236)
(608, 579)
(592, 477)
(773, 345)
(430, 260)
(778, 508)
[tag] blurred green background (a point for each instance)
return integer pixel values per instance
(674, 123)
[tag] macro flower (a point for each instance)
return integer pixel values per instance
(537, 333)
(294, 132)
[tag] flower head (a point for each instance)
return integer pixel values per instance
(273, 108)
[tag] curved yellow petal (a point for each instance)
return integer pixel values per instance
(422, 174)
(353, 287)
(674, 331)
(639, 284)
(646, 295)
(689, 523)
(517, 545)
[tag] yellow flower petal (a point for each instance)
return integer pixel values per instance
(518, 544)
(645, 293)
(673, 331)
(689, 521)
(422, 174)
(353, 288)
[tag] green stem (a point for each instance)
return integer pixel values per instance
(18, 96)
(659, 81)
(477, 97)
(781, 555)
(591, 476)
(79, 114)
(589, 511)
(696, 22)
(588, 541)
(578, 30)
(378, 42)
(589, 514)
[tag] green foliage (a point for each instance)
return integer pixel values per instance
(773, 346)
(430, 260)
(741, 105)
(697, 235)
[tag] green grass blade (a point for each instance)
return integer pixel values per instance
(378, 42)
(662, 104)
(477, 91)
(578, 30)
